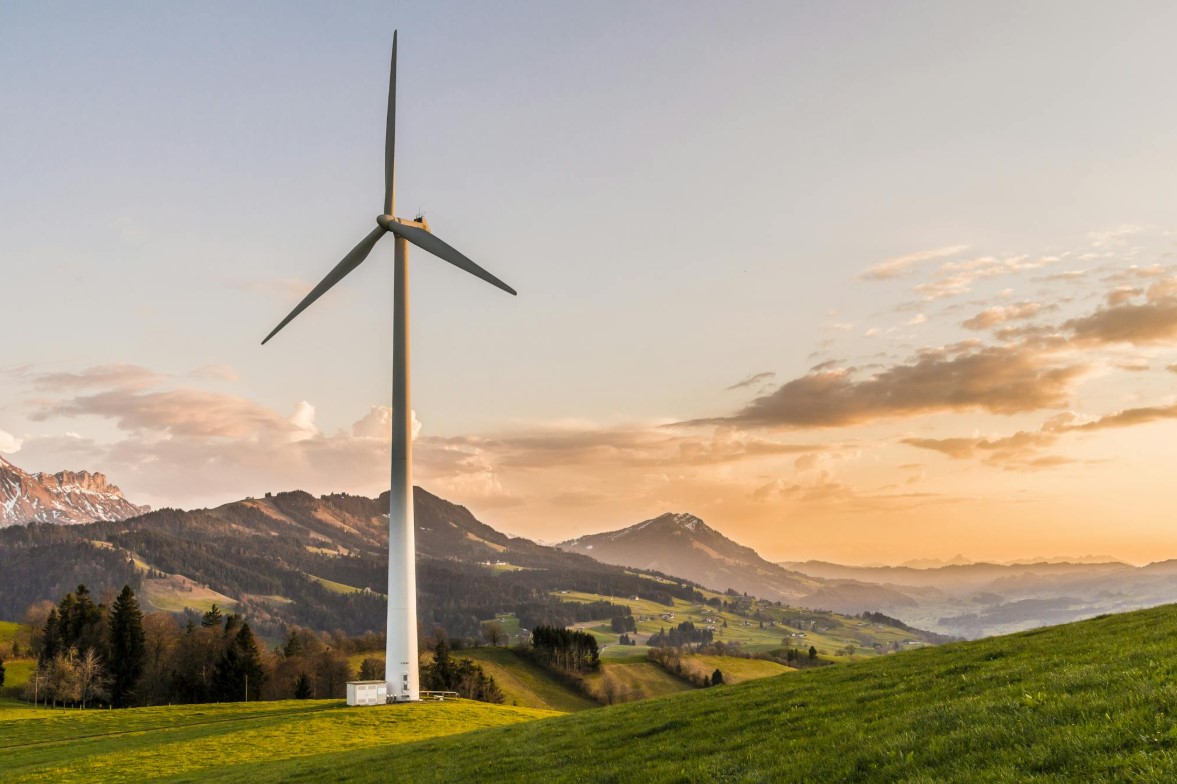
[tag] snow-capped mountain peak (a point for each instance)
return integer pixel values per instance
(67, 497)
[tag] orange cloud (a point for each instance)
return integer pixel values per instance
(998, 379)
(991, 317)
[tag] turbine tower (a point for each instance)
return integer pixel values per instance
(400, 663)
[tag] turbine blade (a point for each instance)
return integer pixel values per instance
(427, 241)
(349, 263)
(390, 139)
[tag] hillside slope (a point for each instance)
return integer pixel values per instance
(320, 562)
(683, 545)
(1090, 701)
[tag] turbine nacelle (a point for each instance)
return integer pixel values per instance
(387, 222)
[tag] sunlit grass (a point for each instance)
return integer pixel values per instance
(1087, 702)
(153, 743)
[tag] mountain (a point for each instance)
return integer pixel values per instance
(67, 497)
(292, 558)
(983, 599)
(682, 544)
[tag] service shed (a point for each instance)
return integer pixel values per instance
(367, 692)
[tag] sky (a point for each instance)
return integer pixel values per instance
(856, 282)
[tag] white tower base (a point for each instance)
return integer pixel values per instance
(401, 664)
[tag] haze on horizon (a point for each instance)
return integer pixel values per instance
(855, 283)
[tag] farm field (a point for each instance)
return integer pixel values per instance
(191, 742)
(1090, 701)
(525, 683)
(828, 632)
(8, 630)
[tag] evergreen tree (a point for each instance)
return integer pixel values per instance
(1, 672)
(442, 675)
(239, 674)
(812, 653)
(51, 638)
(302, 687)
(128, 651)
(212, 617)
(717, 678)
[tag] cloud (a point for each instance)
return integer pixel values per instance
(753, 380)
(1138, 324)
(904, 265)
(377, 423)
(116, 375)
(9, 443)
(991, 317)
(957, 277)
(1130, 417)
(1123, 294)
(181, 412)
(1021, 448)
(633, 446)
(998, 379)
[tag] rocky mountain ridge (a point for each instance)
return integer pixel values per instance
(67, 498)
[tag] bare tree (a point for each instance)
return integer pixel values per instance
(493, 631)
(92, 681)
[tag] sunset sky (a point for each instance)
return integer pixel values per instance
(859, 282)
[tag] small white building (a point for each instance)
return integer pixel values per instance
(367, 692)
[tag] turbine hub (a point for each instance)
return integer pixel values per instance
(384, 220)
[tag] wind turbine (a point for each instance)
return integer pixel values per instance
(400, 663)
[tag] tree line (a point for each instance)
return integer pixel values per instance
(92, 652)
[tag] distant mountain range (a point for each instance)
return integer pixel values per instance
(294, 558)
(67, 497)
(983, 599)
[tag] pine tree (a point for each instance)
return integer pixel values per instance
(812, 653)
(302, 687)
(717, 678)
(51, 638)
(128, 652)
(239, 674)
(212, 617)
(1, 672)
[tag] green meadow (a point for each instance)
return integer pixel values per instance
(1094, 701)
(191, 742)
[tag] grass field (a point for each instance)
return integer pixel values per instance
(1094, 701)
(525, 683)
(8, 630)
(188, 743)
(1088, 702)
(333, 586)
(736, 670)
(638, 681)
(828, 632)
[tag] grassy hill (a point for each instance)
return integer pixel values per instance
(525, 683)
(758, 627)
(191, 742)
(1090, 701)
